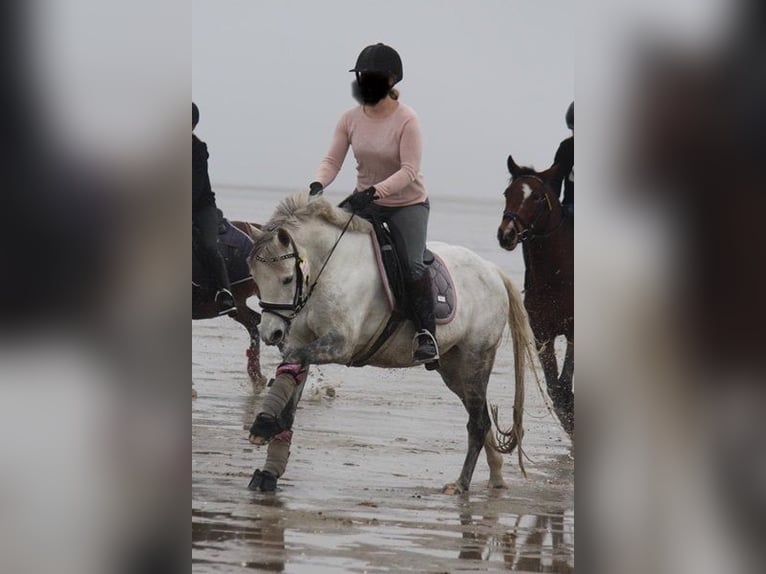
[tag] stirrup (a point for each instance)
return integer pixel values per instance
(416, 346)
(227, 308)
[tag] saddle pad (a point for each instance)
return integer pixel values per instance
(235, 246)
(445, 294)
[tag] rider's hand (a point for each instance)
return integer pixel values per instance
(316, 188)
(361, 199)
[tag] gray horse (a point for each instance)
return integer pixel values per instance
(337, 318)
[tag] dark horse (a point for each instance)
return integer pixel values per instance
(534, 218)
(235, 243)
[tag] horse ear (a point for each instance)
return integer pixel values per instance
(254, 231)
(284, 237)
(551, 174)
(512, 167)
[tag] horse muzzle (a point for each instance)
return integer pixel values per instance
(275, 338)
(507, 238)
(273, 330)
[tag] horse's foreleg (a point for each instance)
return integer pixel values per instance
(562, 403)
(567, 370)
(279, 405)
(253, 354)
(274, 424)
(277, 454)
(547, 353)
(565, 389)
(249, 319)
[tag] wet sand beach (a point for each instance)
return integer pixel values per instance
(371, 451)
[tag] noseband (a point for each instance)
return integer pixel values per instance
(528, 229)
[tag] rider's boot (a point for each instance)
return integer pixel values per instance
(270, 421)
(425, 348)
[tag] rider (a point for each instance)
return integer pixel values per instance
(205, 220)
(565, 159)
(384, 135)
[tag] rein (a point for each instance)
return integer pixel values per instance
(528, 231)
(299, 298)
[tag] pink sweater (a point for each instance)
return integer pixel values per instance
(387, 152)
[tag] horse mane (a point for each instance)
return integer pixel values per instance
(297, 209)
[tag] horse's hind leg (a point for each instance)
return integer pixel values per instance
(566, 396)
(495, 462)
(467, 375)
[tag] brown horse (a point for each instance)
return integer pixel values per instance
(534, 218)
(204, 307)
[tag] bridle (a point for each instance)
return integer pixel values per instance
(528, 229)
(300, 297)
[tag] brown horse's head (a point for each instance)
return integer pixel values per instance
(532, 207)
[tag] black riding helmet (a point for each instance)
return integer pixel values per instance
(379, 59)
(195, 115)
(570, 116)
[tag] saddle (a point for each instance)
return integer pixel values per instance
(234, 245)
(392, 277)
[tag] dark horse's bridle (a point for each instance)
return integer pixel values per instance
(528, 229)
(300, 297)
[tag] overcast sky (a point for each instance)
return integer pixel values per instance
(486, 77)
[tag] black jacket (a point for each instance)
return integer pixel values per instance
(202, 193)
(565, 159)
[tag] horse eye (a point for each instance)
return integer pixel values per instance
(287, 280)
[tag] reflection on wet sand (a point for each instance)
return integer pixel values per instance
(262, 537)
(534, 543)
(518, 543)
(541, 544)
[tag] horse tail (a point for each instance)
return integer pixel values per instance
(523, 345)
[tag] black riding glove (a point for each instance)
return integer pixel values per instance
(361, 199)
(316, 188)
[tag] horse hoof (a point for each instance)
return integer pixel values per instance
(498, 484)
(263, 480)
(452, 489)
(264, 428)
(194, 393)
(257, 440)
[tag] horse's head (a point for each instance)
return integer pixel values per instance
(281, 274)
(532, 207)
